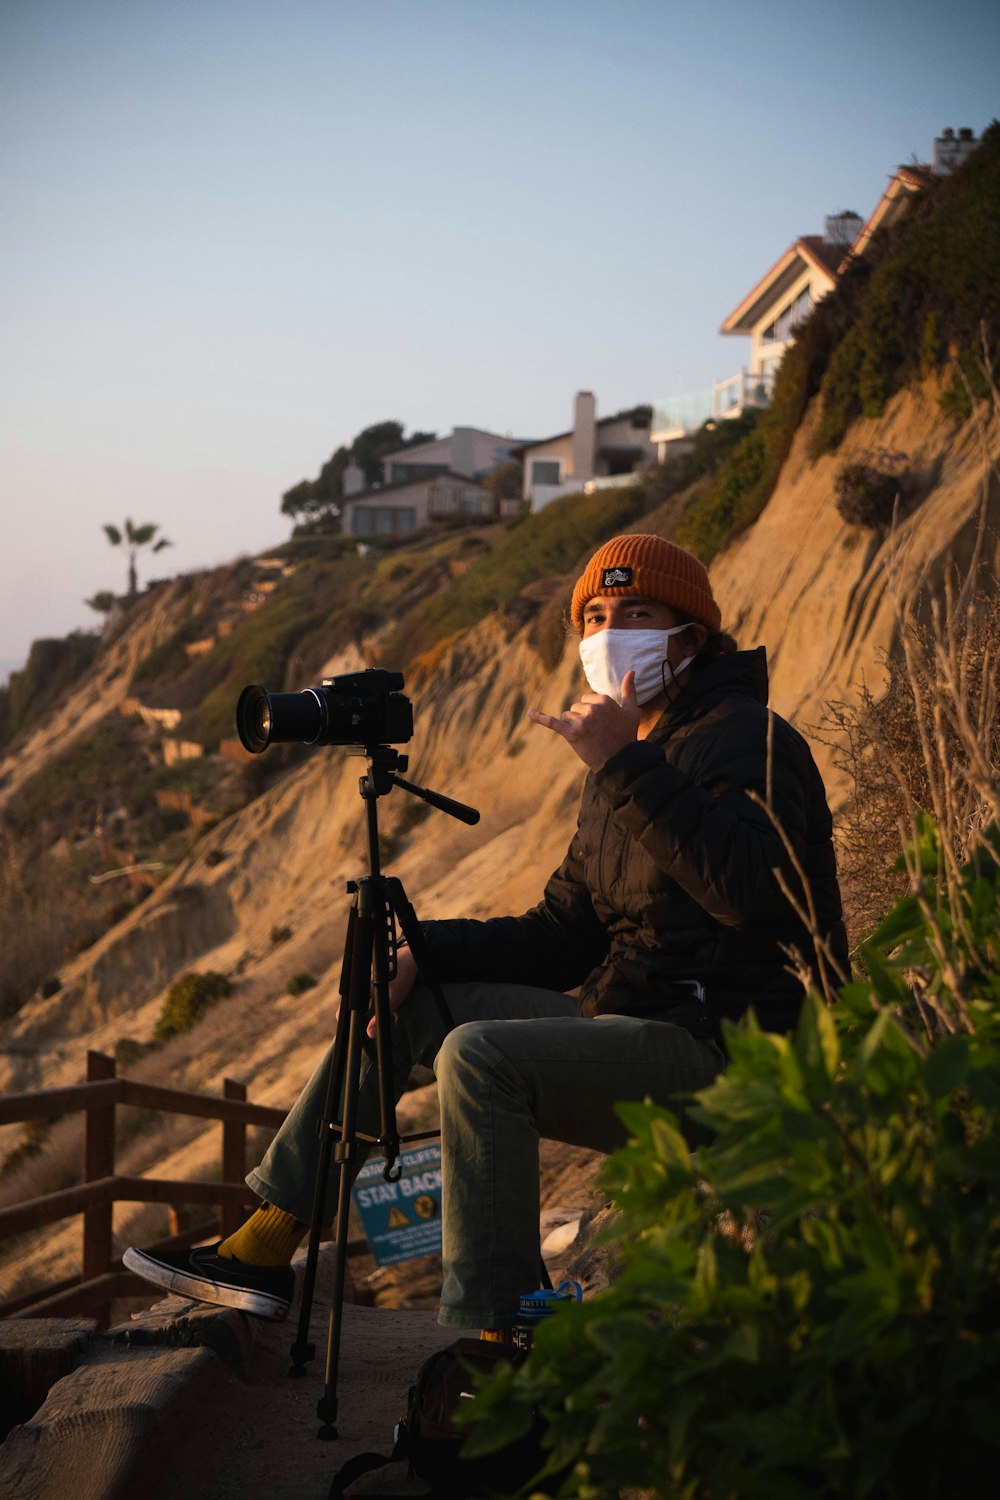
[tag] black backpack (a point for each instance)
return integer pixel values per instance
(428, 1441)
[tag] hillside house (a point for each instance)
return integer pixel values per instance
(593, 454)
(786, 294)
(410, 504)
(950, 149)
(772, 310)
(808, 270)
(434, 481)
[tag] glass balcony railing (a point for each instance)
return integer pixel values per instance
(676, 414)
(740, 391)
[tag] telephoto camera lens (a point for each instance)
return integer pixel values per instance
(262, 717)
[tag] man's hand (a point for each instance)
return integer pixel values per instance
(596, 727)
(400, 987)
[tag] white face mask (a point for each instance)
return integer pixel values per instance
(609, 654)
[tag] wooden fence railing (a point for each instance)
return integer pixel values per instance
(103, 1278)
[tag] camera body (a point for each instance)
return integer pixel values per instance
(356, 708)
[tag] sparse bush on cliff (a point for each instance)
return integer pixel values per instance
(299, 983)
(866, 489)
(52, 669)
(48, 910)
(925, 744)
(187, 1000)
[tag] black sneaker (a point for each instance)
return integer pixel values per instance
(264, 1291)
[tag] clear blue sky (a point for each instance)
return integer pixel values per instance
(236, 232)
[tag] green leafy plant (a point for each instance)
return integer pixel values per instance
(187, 1001)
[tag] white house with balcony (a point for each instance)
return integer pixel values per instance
(769, 313)
(595, 453)
(772, 310)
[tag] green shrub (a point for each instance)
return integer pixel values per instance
(299, 983)
(866, 489)
(734, 500)
(128, 1051)
(187, 1000)
(851, 1345)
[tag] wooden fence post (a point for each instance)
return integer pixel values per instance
(98, 1161)
(234, 1151)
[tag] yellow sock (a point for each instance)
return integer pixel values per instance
(270, 1237)
(498, 1335)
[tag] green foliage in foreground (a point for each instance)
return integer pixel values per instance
(854, 1350)
(187, 1001)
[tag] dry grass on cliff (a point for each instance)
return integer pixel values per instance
(931, 741)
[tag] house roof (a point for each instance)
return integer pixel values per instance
(619, 416)
(808, 249)
(903, 183)
(446, 438)
(394, 490)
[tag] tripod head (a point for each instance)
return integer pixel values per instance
(384, 764)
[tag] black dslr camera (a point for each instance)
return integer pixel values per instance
(357, 708)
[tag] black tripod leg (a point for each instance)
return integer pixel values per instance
(347, 1148)
(302, 1350)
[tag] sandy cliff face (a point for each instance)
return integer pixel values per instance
(287, 856)
(823, 596)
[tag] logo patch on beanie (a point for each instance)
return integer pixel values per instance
(616, 578)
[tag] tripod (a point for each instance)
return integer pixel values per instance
(378, 904)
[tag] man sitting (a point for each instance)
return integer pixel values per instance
(666, 914)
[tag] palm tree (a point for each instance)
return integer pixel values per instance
(134, 537)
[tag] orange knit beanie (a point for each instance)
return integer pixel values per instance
(642, 564)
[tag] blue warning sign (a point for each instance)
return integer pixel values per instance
(401, 1219)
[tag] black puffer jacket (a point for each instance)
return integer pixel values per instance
(669, 878)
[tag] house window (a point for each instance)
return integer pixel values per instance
(403, 473)
(383, 520)
(785, 324)
(545, 471)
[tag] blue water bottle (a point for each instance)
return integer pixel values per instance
(534, 1307)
